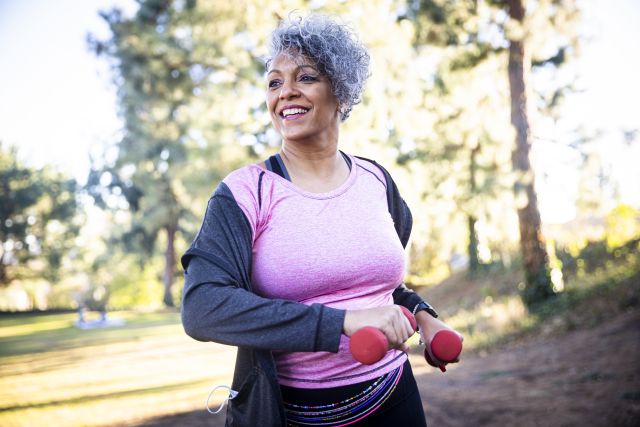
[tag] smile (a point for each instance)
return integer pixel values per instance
(293, 113)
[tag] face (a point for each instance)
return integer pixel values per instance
(300, 100)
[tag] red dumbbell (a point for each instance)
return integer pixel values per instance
(446, 346)
(368, 345)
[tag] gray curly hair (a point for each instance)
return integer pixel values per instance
(334, 49)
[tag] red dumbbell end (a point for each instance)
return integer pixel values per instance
(446, 346)
(368, 345)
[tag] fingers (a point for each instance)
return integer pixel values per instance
(404, 347)
(397, 327)
(389, 319)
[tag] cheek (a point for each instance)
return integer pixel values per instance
(271, 104)
(269, 100)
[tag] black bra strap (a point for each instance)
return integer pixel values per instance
(276, 165)
(346, 159)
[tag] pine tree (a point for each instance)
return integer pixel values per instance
(156, 78)
(39, 219)
(187, 79)
(479, 31)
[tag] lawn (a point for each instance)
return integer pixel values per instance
(54, 374)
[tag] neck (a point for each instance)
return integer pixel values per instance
(319, 158)
(305, 161)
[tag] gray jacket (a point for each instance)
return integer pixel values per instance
(218, 305)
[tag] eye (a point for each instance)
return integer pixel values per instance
(308, 78)
(274, 83)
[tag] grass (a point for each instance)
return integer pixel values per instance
(488, 311)
(53, 374)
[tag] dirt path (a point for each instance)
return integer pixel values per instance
(587, 377)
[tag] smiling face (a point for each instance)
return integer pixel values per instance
(300, 100)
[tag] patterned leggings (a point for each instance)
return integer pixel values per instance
(392, 399)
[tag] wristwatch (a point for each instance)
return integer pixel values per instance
(426, 307)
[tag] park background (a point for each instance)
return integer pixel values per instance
(116, 126)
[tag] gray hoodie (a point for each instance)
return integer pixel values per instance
(218, 305)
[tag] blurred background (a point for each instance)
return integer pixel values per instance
(511, 128)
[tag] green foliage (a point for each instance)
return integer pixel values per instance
(187, 94)
(597, 255)
(472, 133)
(153, 62)
(39, 219)
(537, 289)
(189, 79)
(133, 286)
(622, 223)
(590, 300)
(488, 310)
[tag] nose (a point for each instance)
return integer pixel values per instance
(288, 90)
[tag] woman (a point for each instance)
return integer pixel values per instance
(298, 252)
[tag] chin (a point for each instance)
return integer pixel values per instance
(294, 135)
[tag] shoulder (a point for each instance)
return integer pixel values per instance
(371, 167)
(244, 182)
(245, 188)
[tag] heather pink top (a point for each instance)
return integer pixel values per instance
(338, 248)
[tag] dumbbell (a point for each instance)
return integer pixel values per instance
(446, 346)
(368, 345)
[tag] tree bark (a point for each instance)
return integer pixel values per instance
(474, 258)
(169, 268)
(4, 280)
(538, 285)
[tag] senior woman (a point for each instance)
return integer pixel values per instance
(298, 252)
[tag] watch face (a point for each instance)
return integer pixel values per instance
(426, 307)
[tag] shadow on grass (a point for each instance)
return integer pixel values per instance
(70, 337)
(199, 418)
(104, 396)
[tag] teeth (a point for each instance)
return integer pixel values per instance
(290, 111)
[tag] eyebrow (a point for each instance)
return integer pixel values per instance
(298, 68)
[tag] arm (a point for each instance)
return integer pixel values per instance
(217, 302)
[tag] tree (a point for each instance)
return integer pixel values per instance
(156, 78)
(38, 219)
(538, 285)
(186, 89)
(480, 31)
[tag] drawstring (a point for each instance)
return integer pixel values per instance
(232, 395)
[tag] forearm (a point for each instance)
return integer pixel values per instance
(230, 315)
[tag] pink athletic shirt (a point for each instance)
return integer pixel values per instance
(338, 248)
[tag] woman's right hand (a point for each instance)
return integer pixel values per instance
(389, 319)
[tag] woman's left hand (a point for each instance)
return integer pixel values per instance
(429, 326)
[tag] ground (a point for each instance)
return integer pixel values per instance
(588, 377)
(575, 363)
(583, 377)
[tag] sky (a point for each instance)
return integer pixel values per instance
(56, 99)
(57, 103)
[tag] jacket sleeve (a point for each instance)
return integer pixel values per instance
(218, 305)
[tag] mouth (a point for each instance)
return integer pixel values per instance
(293, 113)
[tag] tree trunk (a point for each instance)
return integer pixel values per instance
(474, 259)
(4, 280)
(538, 285)
(169, 268)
